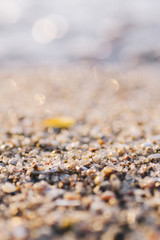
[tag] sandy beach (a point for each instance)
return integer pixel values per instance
(96, 179)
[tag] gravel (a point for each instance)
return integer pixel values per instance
(97, 179)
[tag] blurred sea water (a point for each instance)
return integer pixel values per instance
(62, 31)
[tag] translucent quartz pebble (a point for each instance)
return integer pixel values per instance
(155, 156)
(8, 187)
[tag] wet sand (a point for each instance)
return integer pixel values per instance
(98, 179)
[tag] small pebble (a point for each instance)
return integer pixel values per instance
(155, 156)
(8, 187)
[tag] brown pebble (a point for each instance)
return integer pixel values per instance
(107, 171)
(105, 196)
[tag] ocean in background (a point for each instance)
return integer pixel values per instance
(64, 31)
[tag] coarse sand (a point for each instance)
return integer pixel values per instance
(99, 179)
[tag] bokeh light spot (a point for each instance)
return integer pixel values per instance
(44, 30)
(10, 12)
(61, 24)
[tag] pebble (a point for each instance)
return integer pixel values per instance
(155, 156)
(107, 171)
(19, 232)
(147, 144)
(67, 203)
(8, 187)
(107, 195)
(54, 193)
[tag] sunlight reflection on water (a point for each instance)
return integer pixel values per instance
(44, 30)
(73, 30)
